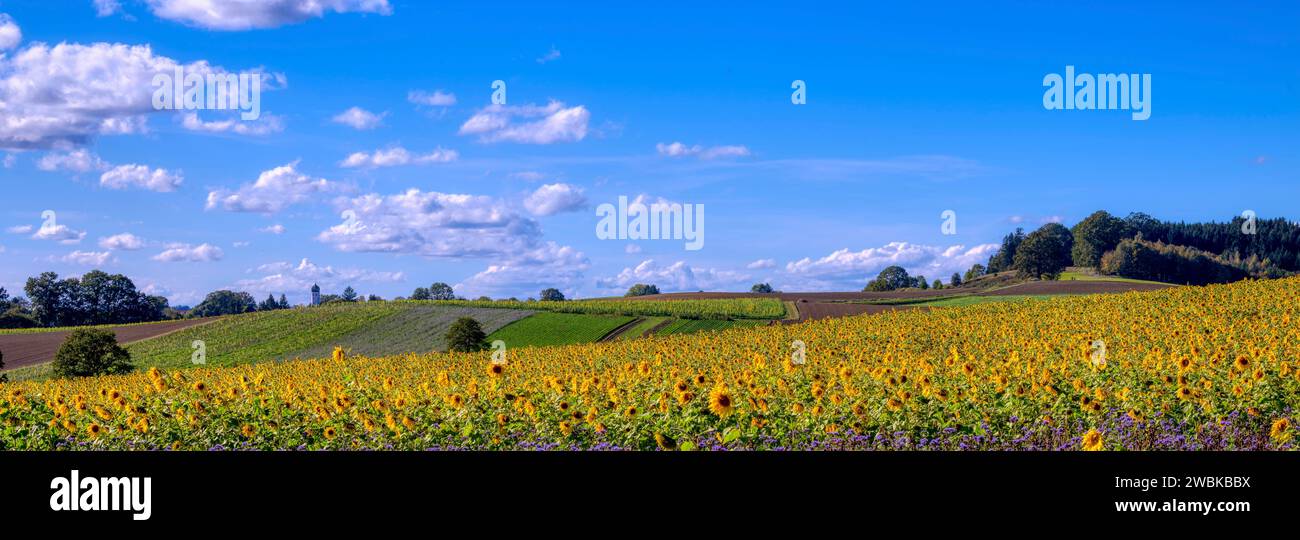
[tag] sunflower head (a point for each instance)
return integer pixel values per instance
(1281, 430)
(721, 401)
(1092, 440)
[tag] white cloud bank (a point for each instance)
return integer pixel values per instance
(396, 156)
(274, 190)
(529, 124)
(227, 15)
(552, 199)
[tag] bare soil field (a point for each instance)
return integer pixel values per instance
(27, 349)
(1073, 287)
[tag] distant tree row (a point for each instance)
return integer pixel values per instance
(1260, 248)
(437, 291)
(95, 298)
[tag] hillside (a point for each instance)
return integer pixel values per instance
(366, 328)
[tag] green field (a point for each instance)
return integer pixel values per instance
(642, 327)
(730, 308)
(958, 301)
(687, 326)
(415, 328)
(557, 329)
(370, 328)
(1081, 276)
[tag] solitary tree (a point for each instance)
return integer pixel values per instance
(88, 352)
(641, 289)
(552, 295)
(441, 291)
(890, 279)
(761, 288)
(466, 335)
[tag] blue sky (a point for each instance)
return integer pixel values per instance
(911, 111)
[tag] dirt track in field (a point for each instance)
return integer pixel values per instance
(28, 349)
(617, 333)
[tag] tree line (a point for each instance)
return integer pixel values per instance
(1137, 246)
(92, 299)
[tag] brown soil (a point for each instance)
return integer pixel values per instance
(1073, 287)
(28, 349)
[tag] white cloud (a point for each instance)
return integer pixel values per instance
(437, 98)
(547, 124)
(141, 176)
(761, 264)
(530, 176)
(274, 190)
(265, 125)
(87, 258)
(10, 34)
(677, 149)
(122, 242)
(106, 8)
(256, 14)
(395, 156)
(285, 277)
(851, 270)
(80, 160)
(190, 253)
(359, 119)
(550, 56)
(59, 233)
(273, 229)
(678, 276)
(61, 96)
(431, 224)
(552, 199)
(154, 289)
(526, 274)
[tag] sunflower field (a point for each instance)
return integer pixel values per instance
(1186, 368)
